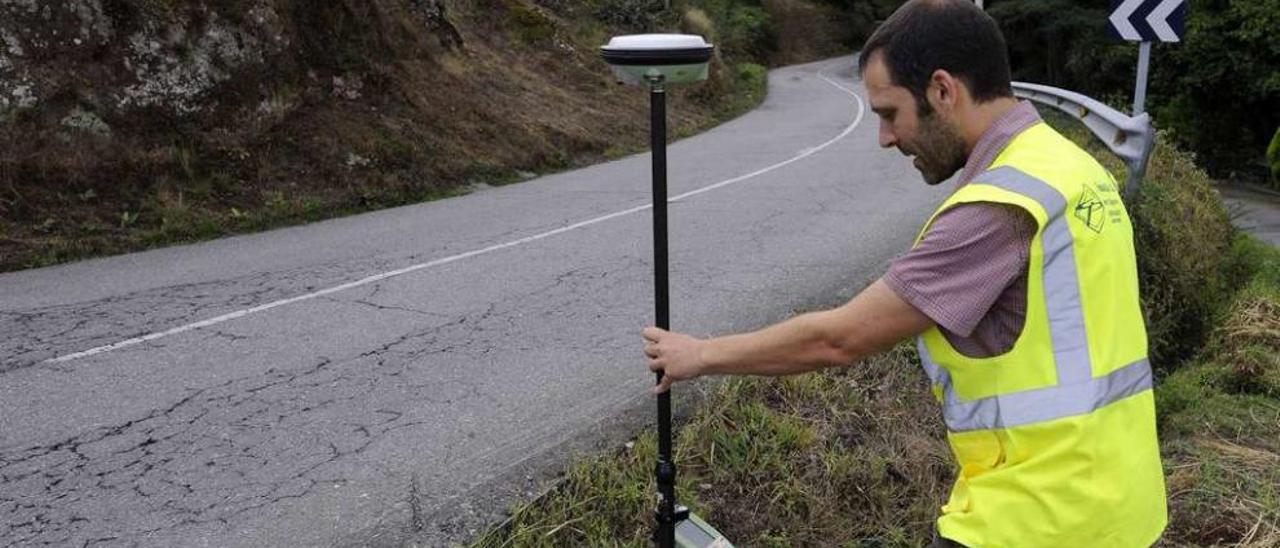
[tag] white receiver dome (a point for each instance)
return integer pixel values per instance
(675, 58)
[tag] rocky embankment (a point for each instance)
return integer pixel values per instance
(131, 123)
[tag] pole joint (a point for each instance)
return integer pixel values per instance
(665, 471)
(656, 82)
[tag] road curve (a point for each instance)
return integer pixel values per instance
(376, 379)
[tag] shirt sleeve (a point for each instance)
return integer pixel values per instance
(971, 254)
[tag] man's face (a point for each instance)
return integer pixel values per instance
(935, 144)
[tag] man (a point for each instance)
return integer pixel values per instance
(1022, 290)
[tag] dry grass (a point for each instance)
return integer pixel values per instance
(822, 459)
(1250, 343)
(1220, 418)
(1254, 320)
(696, 21)
(1223, 493)
(812, 460)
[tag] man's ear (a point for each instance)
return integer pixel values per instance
(944, 90)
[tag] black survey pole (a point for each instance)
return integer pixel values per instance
(665, 469)
(658, 60)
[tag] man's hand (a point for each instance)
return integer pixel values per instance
(872, 322)
(678, 356)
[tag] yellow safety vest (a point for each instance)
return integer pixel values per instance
(1056, 438)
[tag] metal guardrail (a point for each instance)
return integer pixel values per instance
(1132, 138)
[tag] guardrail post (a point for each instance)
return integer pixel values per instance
(1132, 138)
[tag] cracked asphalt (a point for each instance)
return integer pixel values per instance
(413, 409)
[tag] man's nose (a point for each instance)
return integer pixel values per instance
(887, 138)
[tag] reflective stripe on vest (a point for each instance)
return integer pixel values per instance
(1077, 391)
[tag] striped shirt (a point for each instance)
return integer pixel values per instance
(969, 272)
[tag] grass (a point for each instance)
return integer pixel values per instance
(168, 218)
(770, 462)
(856, 456)
(1220, 418)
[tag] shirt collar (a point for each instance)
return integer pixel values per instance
(997, 137)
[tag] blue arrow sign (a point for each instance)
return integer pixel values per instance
(1148, 20)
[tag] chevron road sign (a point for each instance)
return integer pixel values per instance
(1148, 20)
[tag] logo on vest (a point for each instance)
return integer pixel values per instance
(1091, 211)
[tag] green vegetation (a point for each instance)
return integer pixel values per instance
(1218, 91)
(744, 29)
(1212, 300)
(862, 16)
(532, 25)
(1220, 416)
(1273, 159)
(1183, 233)
(856, 456)
(812, 460)
(750, 81)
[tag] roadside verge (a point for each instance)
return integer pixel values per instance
(856, 455)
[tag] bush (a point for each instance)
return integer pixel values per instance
(746, 30)
(861, 16)
(752, 75)
(1218, 90)
(751, 32)
(1063, 43)
(1183, 236)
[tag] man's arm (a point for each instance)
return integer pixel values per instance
(871, 322)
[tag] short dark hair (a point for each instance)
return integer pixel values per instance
(923, 36)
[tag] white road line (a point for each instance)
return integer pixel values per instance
(379, 277)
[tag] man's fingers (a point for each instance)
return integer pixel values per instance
(652, 334)
(663, 386)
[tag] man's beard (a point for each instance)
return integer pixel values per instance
(939, 149)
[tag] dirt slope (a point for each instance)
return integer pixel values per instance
(132, 123)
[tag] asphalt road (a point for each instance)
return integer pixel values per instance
(397, 377)
(1254, 210)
